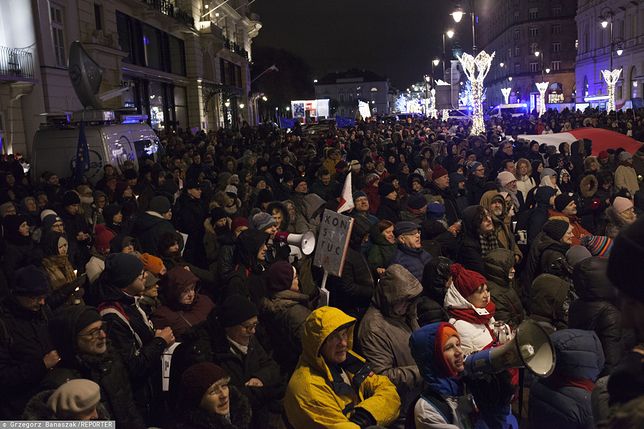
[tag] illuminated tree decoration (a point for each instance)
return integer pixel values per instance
(506, 94)
(476, 69)
(542, 87)
(611, 78)
(431, 112)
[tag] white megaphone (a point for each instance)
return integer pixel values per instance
(303, 243)
(531, 348)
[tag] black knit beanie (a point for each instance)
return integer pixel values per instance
(555, 228)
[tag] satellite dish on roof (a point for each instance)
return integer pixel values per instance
(86, 76)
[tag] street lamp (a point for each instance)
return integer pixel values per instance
(449, 34)
(315, 81)
(457, 15)
(611, 76)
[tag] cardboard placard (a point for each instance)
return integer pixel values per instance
(333, 241)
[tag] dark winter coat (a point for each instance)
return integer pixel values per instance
(388, 209)
(353, 291)
(106, 370)
(188, 216)
(381, 251)
(414, 260)
(545, 256)
(78, 250)
(248, 278)
(508, 304)
(452, 214)
(24, 341)
(143, 361)
(37, 409)
(240, 415)
(207, 343)
(469, 252)
(596, 308)
(283, 313)
(558, 402)
(148, 228)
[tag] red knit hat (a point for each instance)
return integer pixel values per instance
(466, 281)
(102, 238)
(238, 222)
(439, 171)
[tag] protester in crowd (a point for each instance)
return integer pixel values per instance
(625, 175)
(525, 181)
(79, 334)
(60, 271)
(26, 349)
(563, 398)
(152, 224)
(409, 252)
(20, 250)
(131, 333)
(437, 351)
(620, 214)
(330, 376)
(494, 202)
(566, 209)
(284, 311)
(208, 401)
(76, 229)
(101, 248)
(548, 251)
(500, 276)
(183, 306)
(228, 339)
(477, 239)
(548, 301)
(384, 331)
(383, 247)
(78, 399)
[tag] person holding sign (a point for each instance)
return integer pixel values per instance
(352, 291)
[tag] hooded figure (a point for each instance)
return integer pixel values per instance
(596, 308)
(548, 302)
(436, 279)
(353, 291)
(348, 394)
(248, 278)
(470, 253)
(547, 253)
(68, 329)
(499, 265)
(494, 202)
(563, 399)
(59, 269)
(385, 329)
(19, 251)
(442, 403)
(183, 306)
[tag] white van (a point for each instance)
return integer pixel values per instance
(54, 149)
(515, 110)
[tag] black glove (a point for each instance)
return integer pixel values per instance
(362, 418)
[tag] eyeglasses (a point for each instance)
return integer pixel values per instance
(95, 333)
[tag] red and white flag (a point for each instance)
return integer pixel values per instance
(346, 199)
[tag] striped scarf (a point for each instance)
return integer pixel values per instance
(488, 243)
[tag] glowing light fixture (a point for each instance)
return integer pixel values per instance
(476, 69)
(611, 77)
(506, 94)
(449, 33)
(542, 87)
(458, 15)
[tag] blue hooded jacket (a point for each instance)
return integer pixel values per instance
(560, 401)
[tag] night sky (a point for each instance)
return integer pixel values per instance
(395, 38)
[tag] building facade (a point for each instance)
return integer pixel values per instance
(345, 89)
(519, 29)
(595, 20)
(185, 62)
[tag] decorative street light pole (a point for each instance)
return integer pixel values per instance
(506, 94)
(476, 69)
(542, 87)
(611, 76)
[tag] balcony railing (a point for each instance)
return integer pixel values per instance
(168, 7)
(16, 63)
(234, 47)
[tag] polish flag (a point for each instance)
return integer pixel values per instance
(602, 139)
(346, 199)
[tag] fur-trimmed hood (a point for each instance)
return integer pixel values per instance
(588, 186)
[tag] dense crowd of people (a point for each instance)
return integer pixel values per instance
(166, 295)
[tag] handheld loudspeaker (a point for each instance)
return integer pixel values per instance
(531, 348)
(305, 243)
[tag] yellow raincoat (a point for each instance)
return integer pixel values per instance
(311, 401)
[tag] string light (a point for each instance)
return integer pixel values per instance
(611, 77)
(506, 94)
(542, 87)
(476, 69)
